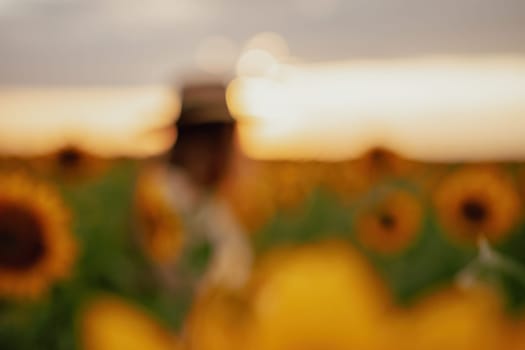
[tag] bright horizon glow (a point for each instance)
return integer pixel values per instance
(106, 121)
(443, 109)
(436, 108)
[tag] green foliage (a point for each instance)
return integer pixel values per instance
(320, 217)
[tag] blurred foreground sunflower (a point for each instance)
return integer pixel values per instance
(161, 230)
(478, 201)
(514, 333)
(322, 296)
(390, 223)
(218, 321)
(452, 319)
(109, 323)
(36, 244)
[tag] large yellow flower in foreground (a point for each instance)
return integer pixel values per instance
(36, 244)
(110, 323)
(451, 319)
(325, 296)
(391, 224)
(218, 321)
(317, 297)
(478, 201)
(161, 229)
(514, 334)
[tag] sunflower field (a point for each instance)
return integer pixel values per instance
(379, 252)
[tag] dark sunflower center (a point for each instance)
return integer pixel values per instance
(387, 221)
(69, 158)
(21, 238)
(378, 156)
(474, 211)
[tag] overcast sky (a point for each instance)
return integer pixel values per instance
(100, 42)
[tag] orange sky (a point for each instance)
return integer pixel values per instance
(107, 121)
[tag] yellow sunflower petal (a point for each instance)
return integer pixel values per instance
(351, 177)
(514, 334)
(218, 321)
(452, 319)
(249, 196)
(161, 229)
(110, 323)
(291, 182)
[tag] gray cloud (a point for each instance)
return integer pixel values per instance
(61, 42)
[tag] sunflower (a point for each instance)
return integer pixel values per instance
(521, 179)
(478, 201)
(218, 321)
(322, 296)
(351, 177)
(161, 230)
(451, 318)
(11, 163)
(109, 322)
(514, 334)
(344, 178)
(250, 198)
(290, 181)
(36, 245)
(70, 163)
(379, 163)
(391, 223)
